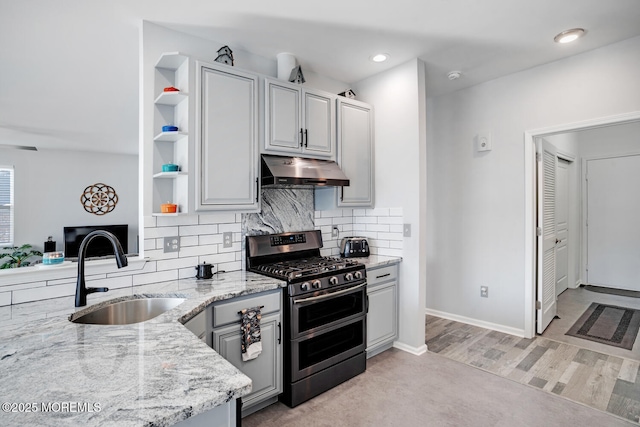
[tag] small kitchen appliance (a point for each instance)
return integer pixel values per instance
(354, 247)
(324, 309)
(205, 271)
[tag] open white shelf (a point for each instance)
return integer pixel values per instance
(170, 175)
(171, 98)
(170, 136)
(171, 60)
(168, 214)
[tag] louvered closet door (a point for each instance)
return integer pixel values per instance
(547, 163)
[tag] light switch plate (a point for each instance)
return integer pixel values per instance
(335, 232)
(483, 141)
(406, 230)
(171, 244)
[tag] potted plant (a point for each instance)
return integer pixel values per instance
(18, 256)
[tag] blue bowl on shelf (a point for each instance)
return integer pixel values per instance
(169, 128)
(170, 167)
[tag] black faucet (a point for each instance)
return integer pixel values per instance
(121, 259)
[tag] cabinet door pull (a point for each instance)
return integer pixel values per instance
(383, 275)
(257, 190)
(341, 194)
(306, 138)
(279, 333)
(301, 137)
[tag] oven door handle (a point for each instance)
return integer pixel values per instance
(329, 295)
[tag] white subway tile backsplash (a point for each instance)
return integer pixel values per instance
(395, 212)
(322, 221)
(149, 244)
(159, 254)
(395, 244)
(189, 241)
(199, 250)
(5, 298)
(377, 212)
(359, 212)
(168, 221)
(218, 218)
(390, 220)
(390, 236)
(111, 283)
(234, 228)
(359, 227)
(332, 213)
(342, 220)
(211, 239)
(390, 252)
(177, 263)
(192, 230)
(154, 233)
(230, 266)
(149, 221)
(378, 227)
(235, 247)
(218, 258)
(47, 292)
(396, 228)
(365, 220)
(160, 276)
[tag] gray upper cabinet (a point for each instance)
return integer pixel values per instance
(298, 120)
(355, 152)
(226, 139)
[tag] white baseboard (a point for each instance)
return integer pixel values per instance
(475, 322)
(416, 351)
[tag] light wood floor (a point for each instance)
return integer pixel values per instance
(589, 373)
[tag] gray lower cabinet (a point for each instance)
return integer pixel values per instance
(382, 318)
(265, 371)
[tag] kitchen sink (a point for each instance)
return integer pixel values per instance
(128, 311)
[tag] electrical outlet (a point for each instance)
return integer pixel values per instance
(483, 141)
(171, 244)
(227, 239)
(335, 232)
(484, 291)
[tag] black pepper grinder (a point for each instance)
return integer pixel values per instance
(50, 245)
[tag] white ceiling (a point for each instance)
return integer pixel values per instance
(69, 69)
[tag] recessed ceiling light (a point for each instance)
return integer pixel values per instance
(569, 35)
(380, 57)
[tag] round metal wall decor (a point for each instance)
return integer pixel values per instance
(99, 199)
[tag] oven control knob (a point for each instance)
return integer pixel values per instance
(333, 280)
(348, 277)
(358, 274)
(304, 286)
(316, 284)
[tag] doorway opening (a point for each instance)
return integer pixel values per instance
(534, 253)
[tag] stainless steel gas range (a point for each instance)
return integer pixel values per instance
(325, 307)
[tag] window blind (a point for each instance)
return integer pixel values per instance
(6, 206)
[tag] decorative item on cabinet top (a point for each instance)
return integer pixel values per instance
(225, 56)
(99, 199)
(348, 94)
(296, 75)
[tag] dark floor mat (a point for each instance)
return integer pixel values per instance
(611, 291)
(608, 324)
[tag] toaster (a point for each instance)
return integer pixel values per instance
(354, 247)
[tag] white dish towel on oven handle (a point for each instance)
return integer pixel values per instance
(251, 337)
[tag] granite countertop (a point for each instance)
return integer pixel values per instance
(152, 373)
(373, 261)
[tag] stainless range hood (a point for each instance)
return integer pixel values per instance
(285, 170)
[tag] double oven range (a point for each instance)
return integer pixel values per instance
(325, 307)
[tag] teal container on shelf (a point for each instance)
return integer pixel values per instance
(52, 258)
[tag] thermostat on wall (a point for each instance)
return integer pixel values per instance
(483, 141)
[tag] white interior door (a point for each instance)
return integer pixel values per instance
(562, 226)
(613, 228)
(547, 162)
